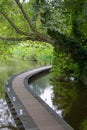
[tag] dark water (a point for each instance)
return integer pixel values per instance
(68, 99)
(7, 70)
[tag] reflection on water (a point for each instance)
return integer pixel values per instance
(43, 88)
(6, 120)
(7, 70)
(68, 99)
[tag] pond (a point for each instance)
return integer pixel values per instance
(68, 99)
(7, 70)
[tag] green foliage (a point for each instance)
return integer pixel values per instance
(4, 51)
(66, 23)
(63, 22)
(44, 55)
(30, 51)
(78, 14)
(11, 10)
(63, 97)
(84, 124)
(64, 66)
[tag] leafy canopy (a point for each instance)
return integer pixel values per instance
(62, 23)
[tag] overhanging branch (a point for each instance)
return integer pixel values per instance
(36, 36)
(32, 38)
(13, 25)
(39, 35)
(24, 14)
(14, 38)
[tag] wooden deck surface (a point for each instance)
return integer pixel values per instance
(40, 115)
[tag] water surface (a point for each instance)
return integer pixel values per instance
(68, 99)
(7, 70)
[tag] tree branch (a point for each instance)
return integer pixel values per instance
(32, 38)
(36, 36)
(13, 25)
(39, 35)
(24, 14)
(13, 38)
(29, 37)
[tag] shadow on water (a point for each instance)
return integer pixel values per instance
(68, 99)
(71, 98)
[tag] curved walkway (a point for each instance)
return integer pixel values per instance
(33, 113)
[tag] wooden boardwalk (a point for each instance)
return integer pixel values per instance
(33, 113)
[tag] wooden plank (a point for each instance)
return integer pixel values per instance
(40, 115)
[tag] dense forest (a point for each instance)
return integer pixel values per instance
(61, 23)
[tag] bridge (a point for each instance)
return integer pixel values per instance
(29, 111)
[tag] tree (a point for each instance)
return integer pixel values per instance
(62, 23)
